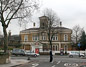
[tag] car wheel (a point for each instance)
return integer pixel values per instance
(35, 55)
(71, 56)
(81, 56)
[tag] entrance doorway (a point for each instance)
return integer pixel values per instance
(36, 50)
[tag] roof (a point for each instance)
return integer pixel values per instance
(39, 28)
(14, 37)
(43, 16)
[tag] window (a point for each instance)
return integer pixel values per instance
(45, 47)
(55, 47)
(43, 37)
(65, 37)
(26, 38)
(65, 48)
(55, 37)
(43, 24)
(35, 38)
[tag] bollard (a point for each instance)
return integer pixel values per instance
(28, 58)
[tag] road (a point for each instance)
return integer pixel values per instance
(59, 61)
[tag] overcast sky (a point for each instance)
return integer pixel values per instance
(70, 12)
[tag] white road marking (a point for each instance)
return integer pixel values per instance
(71, 64)
(53, 66)
(34, 65)
(58, 62)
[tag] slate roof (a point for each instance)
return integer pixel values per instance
(14, 37)
(39, 28)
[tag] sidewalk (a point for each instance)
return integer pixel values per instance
(15, 62)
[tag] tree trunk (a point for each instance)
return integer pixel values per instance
(5, 39)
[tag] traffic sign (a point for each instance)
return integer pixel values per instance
(79, 44)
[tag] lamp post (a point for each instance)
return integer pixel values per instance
(79, 48)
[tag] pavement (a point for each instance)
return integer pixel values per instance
(15, 63)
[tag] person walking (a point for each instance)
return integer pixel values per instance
(51, 56)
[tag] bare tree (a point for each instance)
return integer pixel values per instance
(15, 9)
(76, 34)
(53, 21)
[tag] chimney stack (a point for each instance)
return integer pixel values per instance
(34, 24)
(9, 34)
(60, 24)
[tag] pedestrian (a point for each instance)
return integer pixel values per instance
(51, 56)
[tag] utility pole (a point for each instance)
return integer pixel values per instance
(79, 48)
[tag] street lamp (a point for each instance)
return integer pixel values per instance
(79, 48)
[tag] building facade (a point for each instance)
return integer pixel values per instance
(36, 39)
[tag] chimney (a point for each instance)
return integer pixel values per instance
(9, 34)
(60, 24)
(34, 24)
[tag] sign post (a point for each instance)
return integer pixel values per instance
(79, 48)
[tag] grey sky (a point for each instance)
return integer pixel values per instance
(70, 12)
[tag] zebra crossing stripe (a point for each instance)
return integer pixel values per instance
(58, 62)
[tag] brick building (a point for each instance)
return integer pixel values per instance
(36, 39)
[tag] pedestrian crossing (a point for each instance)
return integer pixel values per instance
(55, 64)
(71, 65)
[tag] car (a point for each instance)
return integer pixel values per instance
(72, 54)
(17, 51)
(30, 53)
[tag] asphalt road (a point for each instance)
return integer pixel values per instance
(59, 61)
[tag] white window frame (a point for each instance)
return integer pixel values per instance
(65, 37)
(66, 47)
(25, 37)
(43, 37)
(35, 38)
(56, 47)
(55, 38)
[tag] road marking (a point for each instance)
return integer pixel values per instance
(71, 64)
(58, 62)
(34, 65)
(53, 66)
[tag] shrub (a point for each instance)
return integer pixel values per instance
(2, 53)
(10, 48)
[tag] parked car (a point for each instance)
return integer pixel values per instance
(17, 51)
(72, 54)
(30, 53)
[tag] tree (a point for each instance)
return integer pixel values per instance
(83, 40)
(15, 9)
(53, 21)
(76, 34)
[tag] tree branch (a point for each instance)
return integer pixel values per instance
(14, 12)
